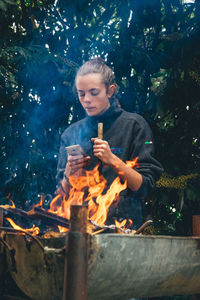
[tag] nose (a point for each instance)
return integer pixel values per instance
(87, 98)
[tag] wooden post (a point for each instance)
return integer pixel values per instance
(1, 217)
(196, 225)
(76, 260)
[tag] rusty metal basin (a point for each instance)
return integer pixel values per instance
(119, 267)
(2, 259)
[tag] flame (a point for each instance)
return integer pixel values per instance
(40, 203)
(120, 224)
(13, 205)
(125, 224)
(91, 189)
(34, 230)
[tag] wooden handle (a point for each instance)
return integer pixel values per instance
(100, 131)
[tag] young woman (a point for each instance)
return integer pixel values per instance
(125, 137)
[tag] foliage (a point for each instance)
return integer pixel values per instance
(153, 47)
(175, 183)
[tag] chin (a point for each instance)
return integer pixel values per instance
(91, 114)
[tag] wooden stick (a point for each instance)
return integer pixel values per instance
(48, 217)
(39, 213)
(100, 131)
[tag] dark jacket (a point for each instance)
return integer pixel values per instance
(128, 136)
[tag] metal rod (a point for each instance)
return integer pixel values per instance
(76, 259)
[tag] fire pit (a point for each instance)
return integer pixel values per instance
(119, 266)
(1, 264)
(37, 271)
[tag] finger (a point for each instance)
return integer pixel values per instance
(78, 161)
(98, 141)
(100, 147)
(99, 151)
(75, 157)
(76, 164)
(77, 167)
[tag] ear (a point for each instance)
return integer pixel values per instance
(111, 90)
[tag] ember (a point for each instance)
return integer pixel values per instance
(87, 189)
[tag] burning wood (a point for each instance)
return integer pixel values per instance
(38, 213)
(118, 229)
(88, 189)
(53, 220)
(48, 217)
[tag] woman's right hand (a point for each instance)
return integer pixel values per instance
(75, 164)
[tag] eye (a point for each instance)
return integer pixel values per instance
(81, 94)
(94, 93)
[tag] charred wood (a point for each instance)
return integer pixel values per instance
(39, 213)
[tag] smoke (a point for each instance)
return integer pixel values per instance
(129, 36)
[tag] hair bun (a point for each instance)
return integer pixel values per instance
(98, 60)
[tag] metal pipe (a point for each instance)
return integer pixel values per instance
(76, 259)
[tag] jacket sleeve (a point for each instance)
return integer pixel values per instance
(143, 148)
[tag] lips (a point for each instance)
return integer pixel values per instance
(89, 108)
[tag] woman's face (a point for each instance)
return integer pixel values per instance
(92, 93)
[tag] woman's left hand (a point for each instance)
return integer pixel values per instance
(102, 150)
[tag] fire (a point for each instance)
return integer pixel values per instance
(98, 202)
(88, 189)
(34, 230)
(13, 205)
(124, 224)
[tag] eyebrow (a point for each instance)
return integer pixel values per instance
(91, 90)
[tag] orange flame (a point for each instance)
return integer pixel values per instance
(120, 224)
(94, 185)
(13, 205)
(34, 230)
(40, 203)
(125, 224)
(89, 189)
